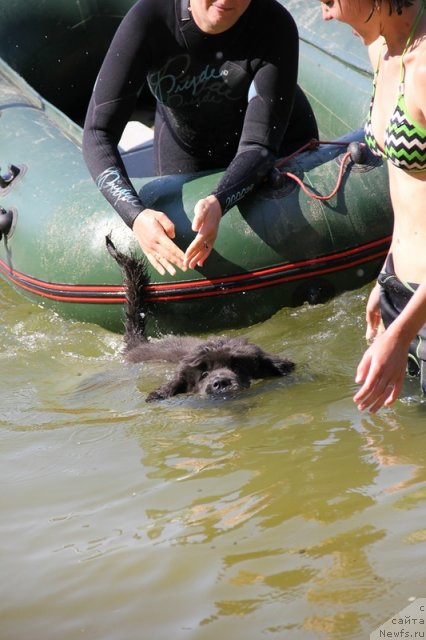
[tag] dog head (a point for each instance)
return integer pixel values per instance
(213, 377)
(221, 366)
(219, 381)
(205, 372)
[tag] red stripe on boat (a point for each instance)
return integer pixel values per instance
(270, 276)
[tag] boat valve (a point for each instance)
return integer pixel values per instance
(358, 152)
(7, 178)
(6, 219)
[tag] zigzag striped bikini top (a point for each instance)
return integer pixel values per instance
(405, 139)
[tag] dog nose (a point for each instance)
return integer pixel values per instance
(221, 384)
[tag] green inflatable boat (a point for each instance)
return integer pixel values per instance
(280, 247)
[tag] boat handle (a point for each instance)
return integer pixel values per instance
(6, 219)
(7, 178)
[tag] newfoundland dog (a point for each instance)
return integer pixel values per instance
(213, 366)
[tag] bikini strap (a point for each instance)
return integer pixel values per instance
(376, 72)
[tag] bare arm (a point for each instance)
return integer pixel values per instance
(382, 368)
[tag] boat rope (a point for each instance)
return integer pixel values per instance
(354, 151)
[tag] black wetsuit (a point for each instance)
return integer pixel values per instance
(201, 82)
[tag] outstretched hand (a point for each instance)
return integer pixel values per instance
(382, 367)
(208, 214)
(154, 232)
(381, 372)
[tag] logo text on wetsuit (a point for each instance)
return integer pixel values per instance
(238, 195)
(112, 182)
(170, 90)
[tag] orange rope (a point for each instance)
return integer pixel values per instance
(311, 194)
(312, 145)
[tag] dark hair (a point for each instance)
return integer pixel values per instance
(396, 5)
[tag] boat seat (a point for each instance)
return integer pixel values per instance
(134, 135)
(136, 149)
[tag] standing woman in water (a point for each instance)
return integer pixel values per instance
(199, 59)
(395, 33)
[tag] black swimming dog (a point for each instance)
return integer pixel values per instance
(212, 366)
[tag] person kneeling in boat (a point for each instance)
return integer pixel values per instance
(199, 58)
(395, 33)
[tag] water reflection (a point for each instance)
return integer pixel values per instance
(283, 512)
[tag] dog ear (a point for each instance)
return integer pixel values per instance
(270, 365)
(258, 364)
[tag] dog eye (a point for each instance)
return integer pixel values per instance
(204, 375)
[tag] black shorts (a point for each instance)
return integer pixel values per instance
(394, 295)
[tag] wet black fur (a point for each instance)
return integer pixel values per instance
(215, 366)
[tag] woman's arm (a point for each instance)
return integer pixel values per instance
(114, 97)
(382, 368)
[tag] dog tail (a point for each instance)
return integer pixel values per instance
(136, 278)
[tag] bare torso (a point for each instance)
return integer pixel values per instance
(408, 190)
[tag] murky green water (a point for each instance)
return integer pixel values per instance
(283, 513)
